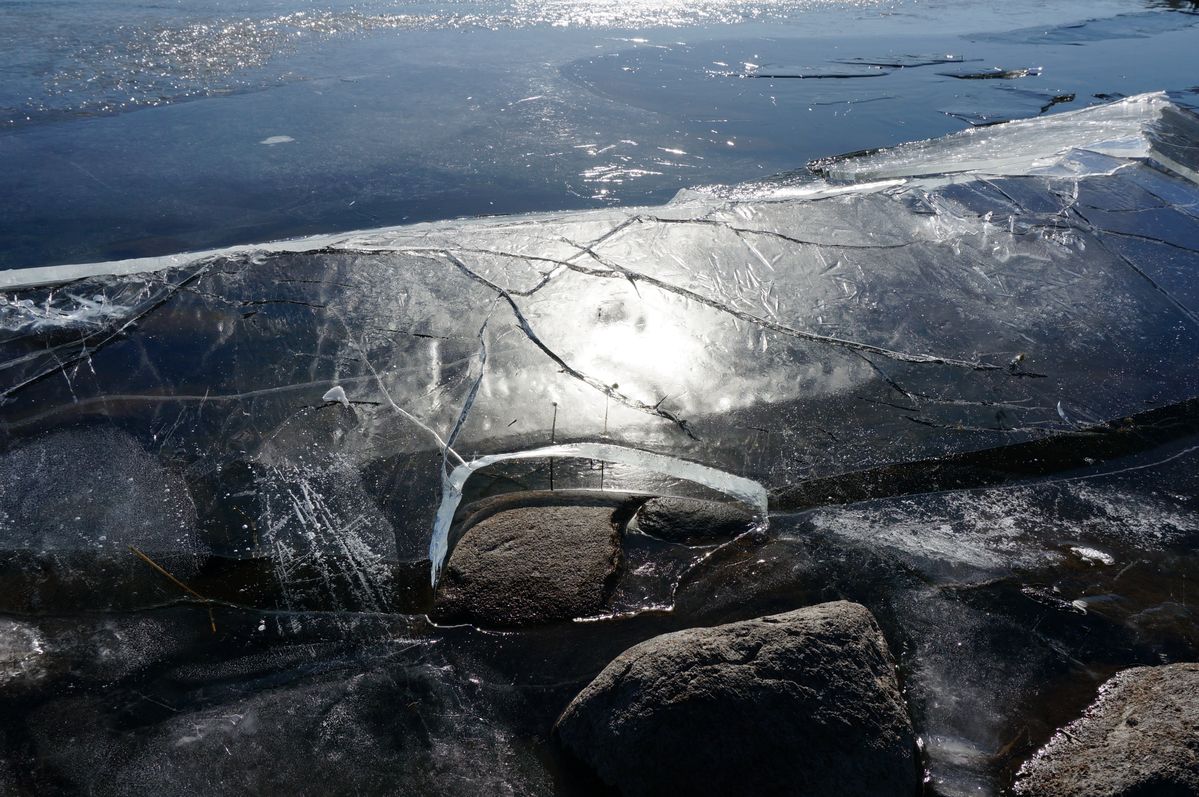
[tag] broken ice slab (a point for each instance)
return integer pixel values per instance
(1143, 131)
(1009, 102)
(1013, 284)
(996, 73)
(906, 61)
(842, 70)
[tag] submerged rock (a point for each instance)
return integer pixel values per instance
(531, 565)
(1139, 739)
(22, 653)
(801, 703)
(691, 520)
(75, 506)
(94, 490)
(398, 727)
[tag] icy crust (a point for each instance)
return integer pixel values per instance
(318, 393)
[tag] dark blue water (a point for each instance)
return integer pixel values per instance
(130, 129)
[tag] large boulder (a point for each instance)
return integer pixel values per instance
(531, 565)
(801, 703)
(690, 520)
(1139, 739)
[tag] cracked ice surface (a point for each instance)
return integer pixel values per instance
(1006, 285)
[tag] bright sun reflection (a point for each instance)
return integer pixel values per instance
(654, 356)
(662, 13)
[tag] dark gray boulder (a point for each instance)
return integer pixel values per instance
(531, 565)
(1139, 739)
(801, 703)
(692, 520)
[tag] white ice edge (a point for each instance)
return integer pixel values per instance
(52, 275)
(745, 490)
(364, 240)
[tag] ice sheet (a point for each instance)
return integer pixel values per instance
(1019, 283)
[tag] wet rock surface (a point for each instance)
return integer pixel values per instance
(801, 703)
(690, 520)
(531, 565)
(1139, 739)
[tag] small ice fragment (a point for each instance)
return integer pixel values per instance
(1093, 555)
(273, 140)
(997, 73)
(1079, 604)
(1062, 414)
(337, 393)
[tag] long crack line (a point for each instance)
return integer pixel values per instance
(469, 402)
(636, 276)
(614, 270)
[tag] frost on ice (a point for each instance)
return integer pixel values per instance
(1012, 285)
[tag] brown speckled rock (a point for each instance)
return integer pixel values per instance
(1139, 739)
(531, 565)
(801, 703)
